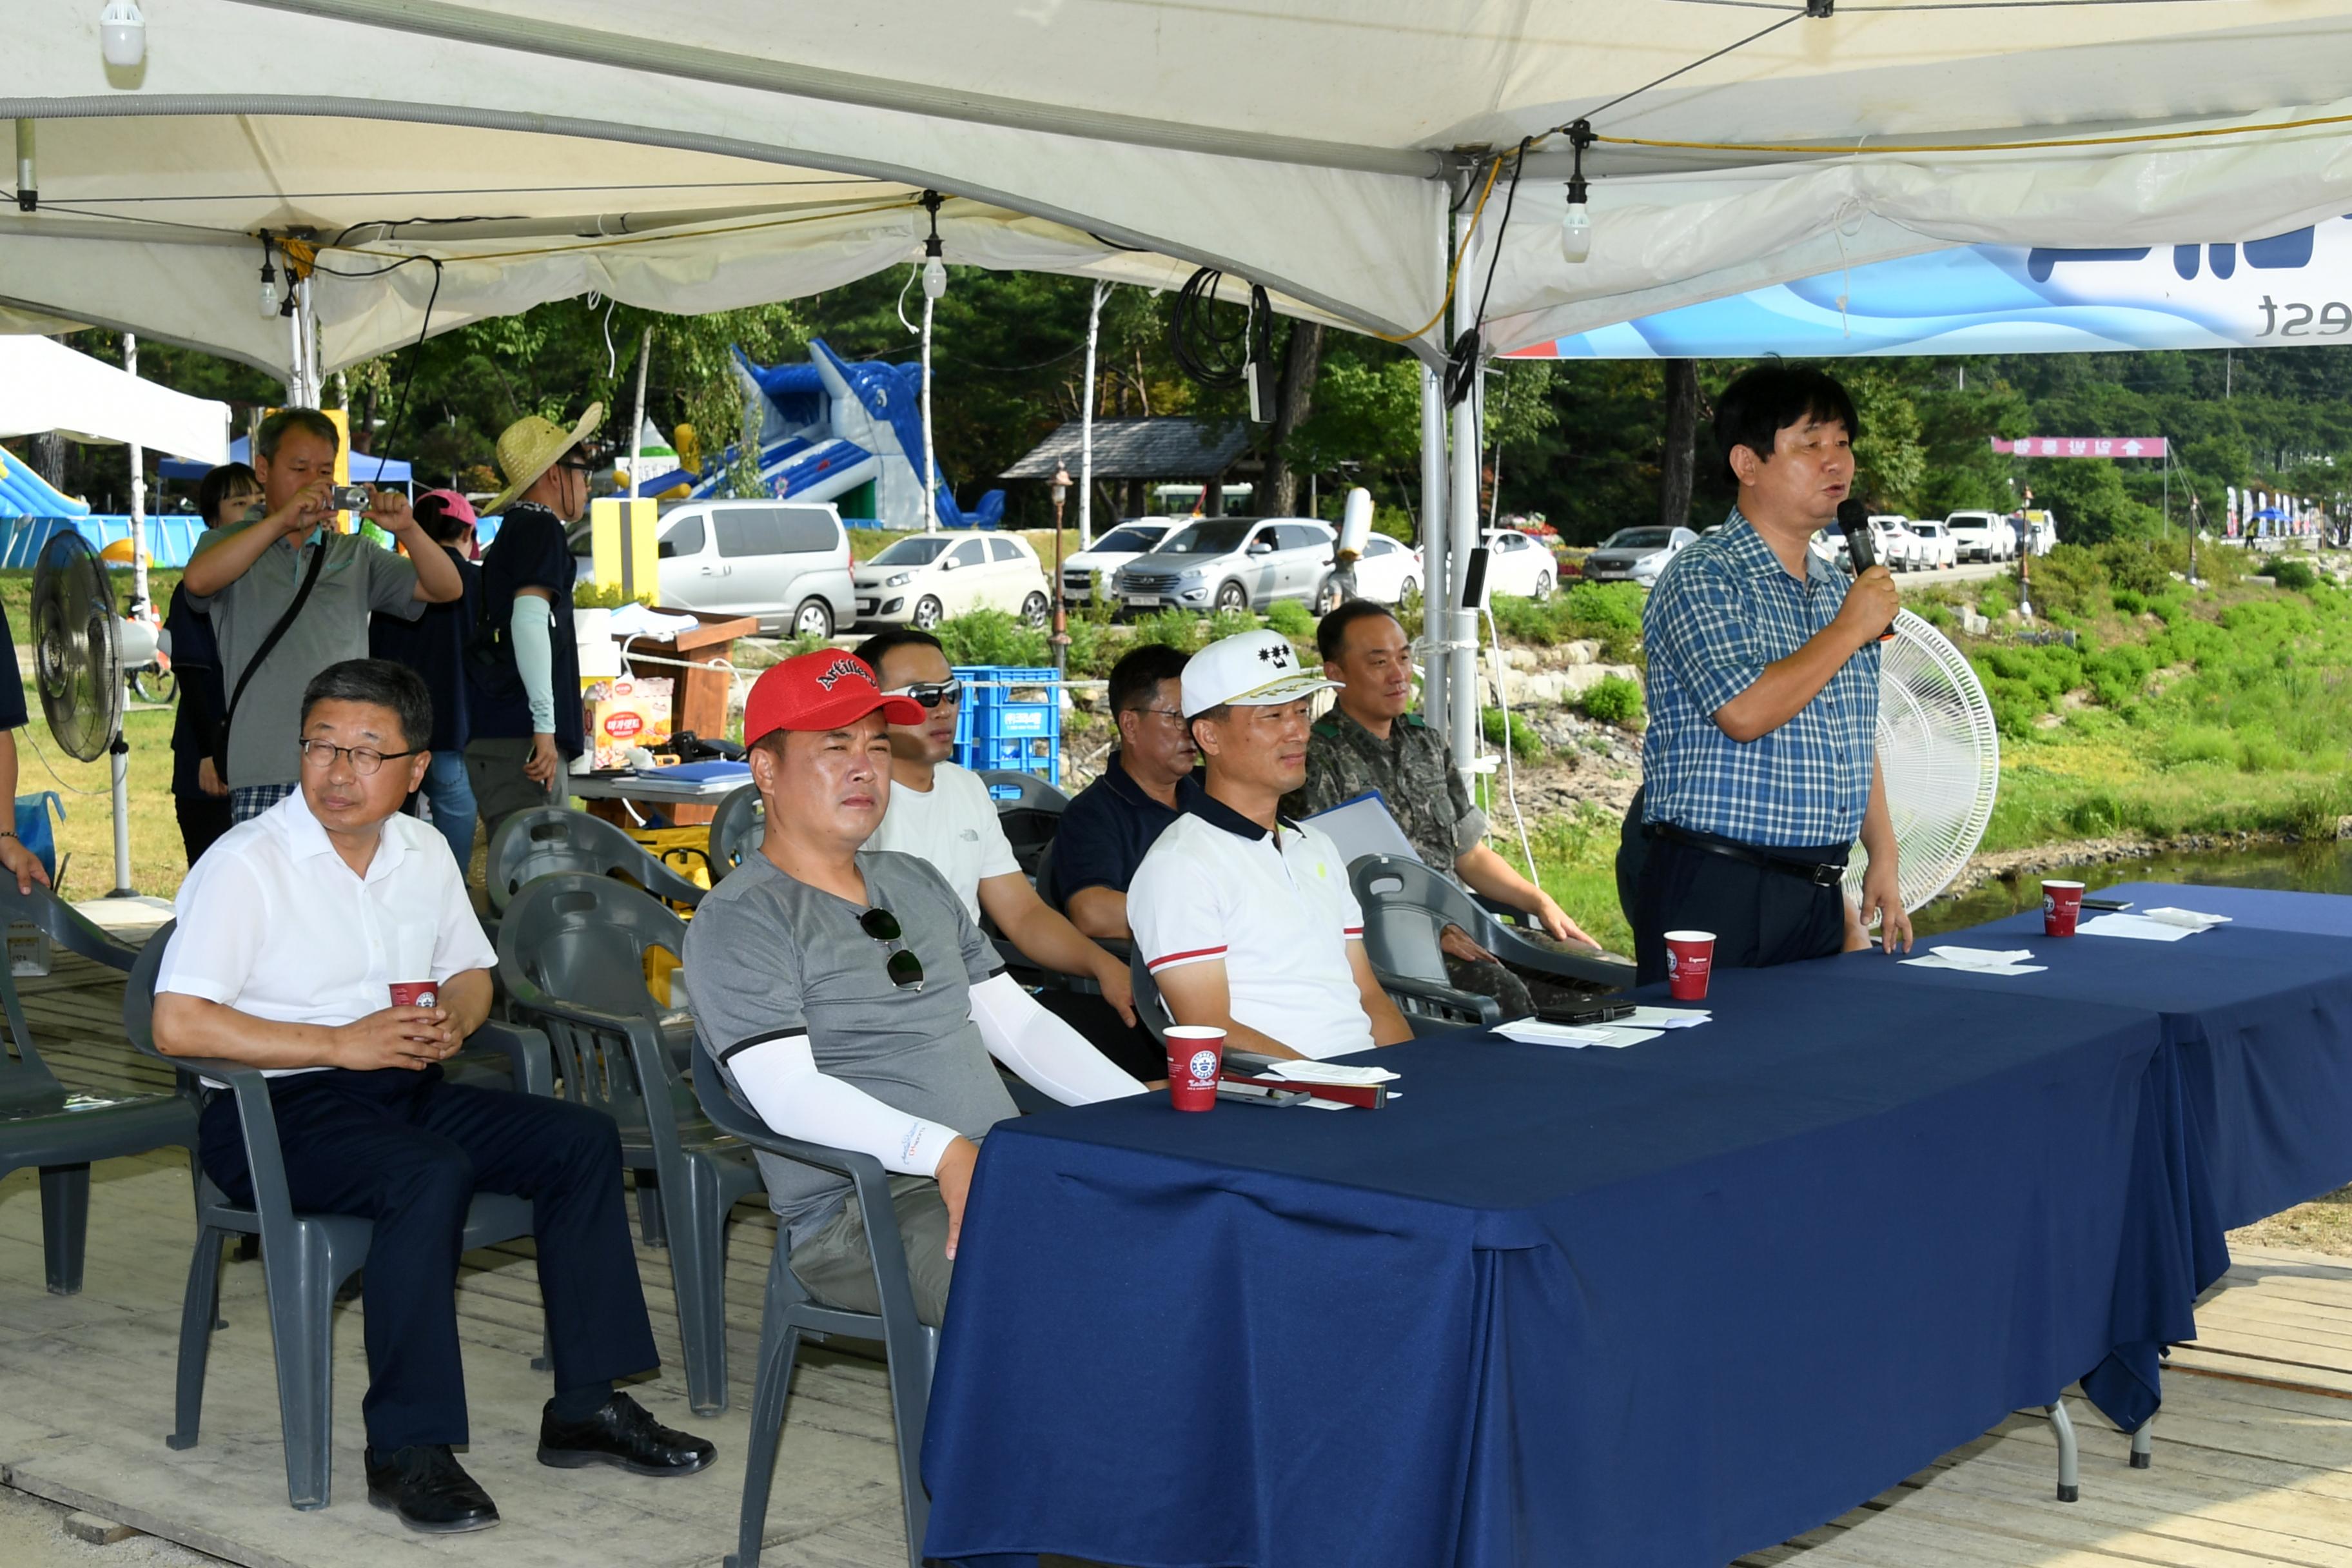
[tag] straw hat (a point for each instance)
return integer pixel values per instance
(531, 446)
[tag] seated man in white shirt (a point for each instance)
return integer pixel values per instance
(848, 998)
(293, 930)
(1247, 920)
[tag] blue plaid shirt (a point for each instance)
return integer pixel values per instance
(1724, 609)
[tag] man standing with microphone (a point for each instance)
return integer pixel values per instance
(1761, 768)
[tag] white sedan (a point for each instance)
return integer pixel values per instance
(924, 578)
(1389, 572)
(1520, 563)
(1112, 551)
(1636, 554)
(1931, 547)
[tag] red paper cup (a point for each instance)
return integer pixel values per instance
(1690, 955)
(1196, 1058)
(2061, 906)
(415, 993)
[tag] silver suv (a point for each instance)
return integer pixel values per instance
(1232, 563)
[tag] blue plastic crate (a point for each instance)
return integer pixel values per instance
(1041, 757)
(1017, 720)
(988, 690)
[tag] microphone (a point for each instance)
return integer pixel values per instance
(1854, 521)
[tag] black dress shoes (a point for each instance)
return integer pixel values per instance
(429, 1490)
(621, 1432)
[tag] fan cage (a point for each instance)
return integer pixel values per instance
(77, 647)
(1941, 755)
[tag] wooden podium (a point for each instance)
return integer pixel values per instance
(698, 694)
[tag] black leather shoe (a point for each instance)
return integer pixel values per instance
(429, 1490)
(621, 1432)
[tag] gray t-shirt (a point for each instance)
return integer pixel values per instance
(767, 954)
(359, 579)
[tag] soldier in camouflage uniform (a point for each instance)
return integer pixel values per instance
(1368, 741)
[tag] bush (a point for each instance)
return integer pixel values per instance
(1613, 699)
(1178, 630)
(1525, 744)
(993, 636)
(1614, 605)
(2292, 574)
(1291, 618)
(2129, 601)
(2069, 581)
(2132, 564)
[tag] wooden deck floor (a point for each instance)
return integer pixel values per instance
(2254, 1464)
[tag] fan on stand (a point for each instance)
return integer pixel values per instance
(1941, 756)
(81, 649)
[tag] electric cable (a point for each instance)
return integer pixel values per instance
(416, 353)
(1209, 357)
(1461, 365)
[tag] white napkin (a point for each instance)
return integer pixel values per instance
(1666, 1018)
(1573, 1036)
(2189, 918)
(1978, 961)
(2138, 928)
(1304, 1071)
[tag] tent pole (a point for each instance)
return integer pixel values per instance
(1087, 430)
(637, 425)
(1462, 617)
(1434, 576)
(930, 453)
(138, 504)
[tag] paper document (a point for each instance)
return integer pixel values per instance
(2188, 918)
(643, 621)
(1573, 1036)
(1362, 825)
(1305, 1071)
(2138, 928)
(1978, 960)
(1666, 1018)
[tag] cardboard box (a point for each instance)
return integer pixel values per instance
(626, 712)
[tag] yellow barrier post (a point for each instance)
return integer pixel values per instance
(621, 538)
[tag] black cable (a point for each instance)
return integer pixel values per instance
(1461, 365)
(416, 354)
(1797, 16)
(1206, 355)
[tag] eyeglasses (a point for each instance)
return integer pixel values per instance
(930, 694)
(365, 760)
(1163, 712)
(905, 969)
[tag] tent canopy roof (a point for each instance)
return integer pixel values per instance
(697, 154)
(45, 385)
(1167, 448)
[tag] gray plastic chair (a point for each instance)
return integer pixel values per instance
(304, 1257)
(736, 828)
(1022, 792)
(43, 1124)
(1406, 905)
(549, 839)
(788, 1316)
(571, 957)
(1030, 811)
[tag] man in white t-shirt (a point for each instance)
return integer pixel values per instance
(293, 931)
(1247, 920)
(941, 813)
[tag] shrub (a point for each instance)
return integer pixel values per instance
(1614, 605)
(1613, 699)
(1996, 596)
(2132, 563)
(1225, 624)
(1178, 630)
(2069, 581)
(2130, 601)
(1525, 744)
(992, 636)
(2292, 574)
(1291, 618)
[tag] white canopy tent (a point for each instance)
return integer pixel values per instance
(45, 385)
(695, 155)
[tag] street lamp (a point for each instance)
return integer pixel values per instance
(1061, 622)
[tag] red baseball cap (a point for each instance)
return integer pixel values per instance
(821, 691)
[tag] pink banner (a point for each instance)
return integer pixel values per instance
(2083, 446)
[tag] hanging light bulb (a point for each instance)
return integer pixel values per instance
(935, 266)
(1576, 223)
(268, 282)
(122, 34)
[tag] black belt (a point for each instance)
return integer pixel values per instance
(1820, 873)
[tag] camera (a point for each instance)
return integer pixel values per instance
(350, 498)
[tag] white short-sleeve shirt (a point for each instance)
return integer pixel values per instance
(272, 923)
(953, 826)
(1275, 907)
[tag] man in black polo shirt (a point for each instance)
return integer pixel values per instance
(1143, 788)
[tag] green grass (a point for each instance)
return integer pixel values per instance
(1576, 863)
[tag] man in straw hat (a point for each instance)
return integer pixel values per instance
(1245, 920)
(523, 696)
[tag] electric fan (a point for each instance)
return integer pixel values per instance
(1942, 757)
(80, 648)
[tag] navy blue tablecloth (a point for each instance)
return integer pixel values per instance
(2260, 1017)
(1663, 1306)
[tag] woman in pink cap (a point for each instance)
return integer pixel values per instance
(434, 645)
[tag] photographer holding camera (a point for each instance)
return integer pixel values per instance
(288, 595)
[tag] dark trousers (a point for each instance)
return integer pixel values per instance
(203, 818)
(408, 1151)
(1759, 916)
(1129, 1046)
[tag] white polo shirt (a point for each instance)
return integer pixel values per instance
(953, 825)
(272, 923)
(1276, 907)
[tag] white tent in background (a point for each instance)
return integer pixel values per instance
(46, 386)
(696, 154)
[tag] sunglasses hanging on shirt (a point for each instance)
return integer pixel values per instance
(905, 969)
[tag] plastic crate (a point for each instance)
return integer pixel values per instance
(1006, 700)
(1041, 757)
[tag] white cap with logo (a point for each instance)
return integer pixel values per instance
(1255, 669)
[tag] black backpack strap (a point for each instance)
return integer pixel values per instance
(302, 598)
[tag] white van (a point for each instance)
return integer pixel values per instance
(785, 561)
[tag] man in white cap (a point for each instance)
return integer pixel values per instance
(1245, 920)
(523, 693)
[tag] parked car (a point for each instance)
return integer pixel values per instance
(1981, 536)
(1829, 544)
(1636, 554)
(1111, 551)
(1232, 563)
(786, 563)
(1389, 572)
(1931, 546)
(1520, 563)
(2041, 532)
(922, 580)
(1890, 531)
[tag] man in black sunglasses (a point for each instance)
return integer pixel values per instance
(849, 999)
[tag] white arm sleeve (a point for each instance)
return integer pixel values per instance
(1048, 1053)
(779, 1077)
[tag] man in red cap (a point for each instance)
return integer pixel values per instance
(848, 998)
